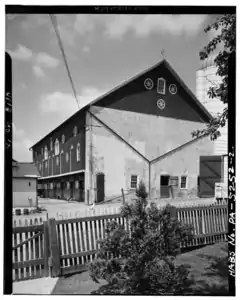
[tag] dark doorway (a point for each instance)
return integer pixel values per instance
(164, 187)
(71, 188)
(62, 190)
(81, 191)
(100, 187)
(55, 191)
(209, 174)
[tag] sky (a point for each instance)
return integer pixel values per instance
(102, 52)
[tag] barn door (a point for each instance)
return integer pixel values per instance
(100, 187)
(164, 188)
(210, 173)
(62, 189)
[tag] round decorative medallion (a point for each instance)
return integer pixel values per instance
(148, 83)
(161, 103)
(173, 89)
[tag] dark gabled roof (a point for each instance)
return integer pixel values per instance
(98, 99)
(22, 169)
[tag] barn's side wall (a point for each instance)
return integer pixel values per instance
(112, 157)
(22, 192)
(150, 134)
(118, 161)
(181, 162)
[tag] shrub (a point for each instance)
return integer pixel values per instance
(140, 259)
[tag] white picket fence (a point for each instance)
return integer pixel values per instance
(28, 220)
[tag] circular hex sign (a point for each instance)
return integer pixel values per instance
(148, 83)
(161, 103)
(173, 89)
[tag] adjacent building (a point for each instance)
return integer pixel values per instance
(206, 77)
(140, 130)
(24, 184)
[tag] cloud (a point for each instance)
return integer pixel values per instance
(21, 145)
(86, 49)
(65, 103)
(46, 60)
(85, 24)
(143, 26)
(21, 53)
(38, 71)
(31, 21)
(39, 60)
(116, 26)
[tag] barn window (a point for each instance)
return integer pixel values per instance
(161, 87)
(63, 138)
(51, 144)
(67, 156)
(75, 131)
(78, 152)
(134, 181)
(46, 153)
(183, 182)
(56, 147)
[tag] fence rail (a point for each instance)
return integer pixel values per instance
(69, 245)
(29, 220)
(28, 252)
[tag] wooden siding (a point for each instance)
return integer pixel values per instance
(53, 168)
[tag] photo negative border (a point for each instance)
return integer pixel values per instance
(96, 9)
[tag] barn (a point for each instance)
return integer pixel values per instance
(140, 130)
(24, 181)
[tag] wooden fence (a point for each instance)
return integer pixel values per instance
(29, 252)
(29, 220)
(73, 242)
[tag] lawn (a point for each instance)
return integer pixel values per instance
(208, 274)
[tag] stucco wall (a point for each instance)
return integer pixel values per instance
(114, 158)
(151, 135)
(118, 161)
(182, 162)
(22, 191)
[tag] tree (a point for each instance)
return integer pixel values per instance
(227, 36)
(139, 258)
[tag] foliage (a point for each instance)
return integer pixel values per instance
(139, 256)
(226, 26)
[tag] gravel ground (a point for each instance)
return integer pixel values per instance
(61, 209)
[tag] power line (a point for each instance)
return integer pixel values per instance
(55, 26)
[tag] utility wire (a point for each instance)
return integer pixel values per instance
(55, 26)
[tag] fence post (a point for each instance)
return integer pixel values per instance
(46, 249)
(123, 196)
(54, 248)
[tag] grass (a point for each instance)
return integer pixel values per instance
(208, 274)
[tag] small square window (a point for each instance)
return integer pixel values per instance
(134, 181)
(183, 182)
